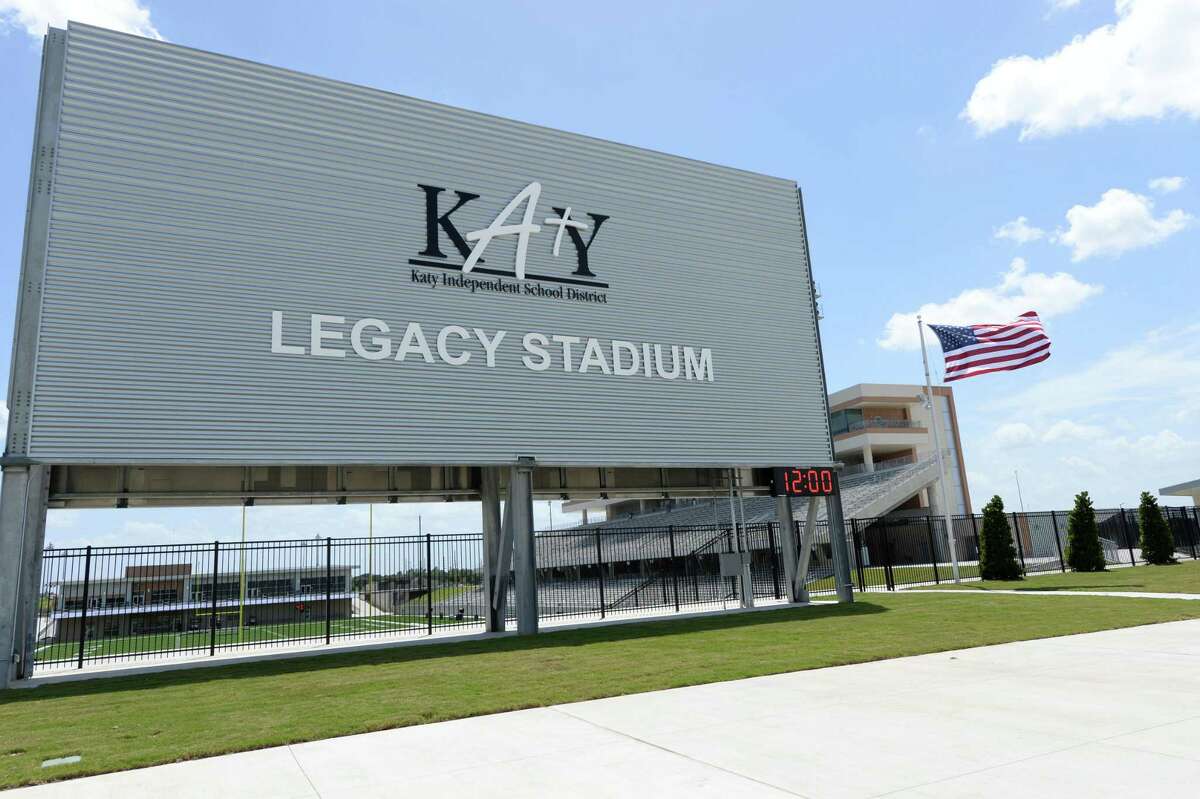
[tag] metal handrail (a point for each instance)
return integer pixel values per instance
(879, 421)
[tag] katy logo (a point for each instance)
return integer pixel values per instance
(473, 244)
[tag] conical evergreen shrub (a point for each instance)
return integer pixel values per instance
(1157, 543)
(1084, 553)
(997, 555)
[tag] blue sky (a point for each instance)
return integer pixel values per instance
(920, 135)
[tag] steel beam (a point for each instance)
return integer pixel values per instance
(808, 538)
(22, 538)
(787, 543)
(495, 581)
(841, 551)
(520, 517)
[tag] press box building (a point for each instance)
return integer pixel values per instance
(244, 284)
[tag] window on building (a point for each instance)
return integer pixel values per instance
(225, 591)
(164, 596)
(844, 421)
(316, 585)
(272, 587)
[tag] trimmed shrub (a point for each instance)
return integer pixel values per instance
(997, 555)
(1156, 541)
(1084, 553)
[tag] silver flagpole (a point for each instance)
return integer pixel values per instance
(936, 418)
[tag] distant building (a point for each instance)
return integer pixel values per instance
(1189, 489)
(883, 426)
(882, 432)
(171, 598)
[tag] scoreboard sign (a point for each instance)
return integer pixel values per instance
(232, 264)
(805, 481)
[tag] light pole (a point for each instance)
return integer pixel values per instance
(370, 554)
(242, 576)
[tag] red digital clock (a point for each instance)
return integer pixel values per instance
(805, 481)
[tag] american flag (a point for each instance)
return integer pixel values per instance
(973, 350)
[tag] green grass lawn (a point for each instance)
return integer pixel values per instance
(231, 636)
(1180, 578)
(120, 723)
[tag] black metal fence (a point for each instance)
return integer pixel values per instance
(126, 603)
(891, 552)
(105, 604)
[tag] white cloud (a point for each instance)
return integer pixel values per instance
(1121, 221)
(1112, 425)
(1145, 65)
(1066, 430)
(1020, 231)
(1062, 5)
(1018, 291)
(1078, 464)
(1161, 369)
(1013, 434)
(34, 16)
(1166, 185)
(1162, 443)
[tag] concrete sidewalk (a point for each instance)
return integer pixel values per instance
(1106, 714)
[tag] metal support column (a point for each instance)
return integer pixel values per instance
(787, 548)
(23, 498)
(495, 578)
(837, 542)
(520, 514)
(22, 537)
(740, 545)
(808, 540)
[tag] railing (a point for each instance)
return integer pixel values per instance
(104, 604)
(203, 598)
(880, 422)
(887, 465)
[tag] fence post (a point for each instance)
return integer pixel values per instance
(212, 619)
(889, 578)
(1017, 535)
(975, 532)
(1176, 544)
(1128, 540)
(674, 566)
(1195, 529)
(857, 539)
(600, 570)
(774, 557)
(429, 583)
(933, 556)
(87, 576)
(328, 588)
(1062, 564)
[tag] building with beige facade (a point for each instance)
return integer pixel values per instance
(882, 432)
(880, 427)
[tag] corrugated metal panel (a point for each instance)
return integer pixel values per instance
(196, 193)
